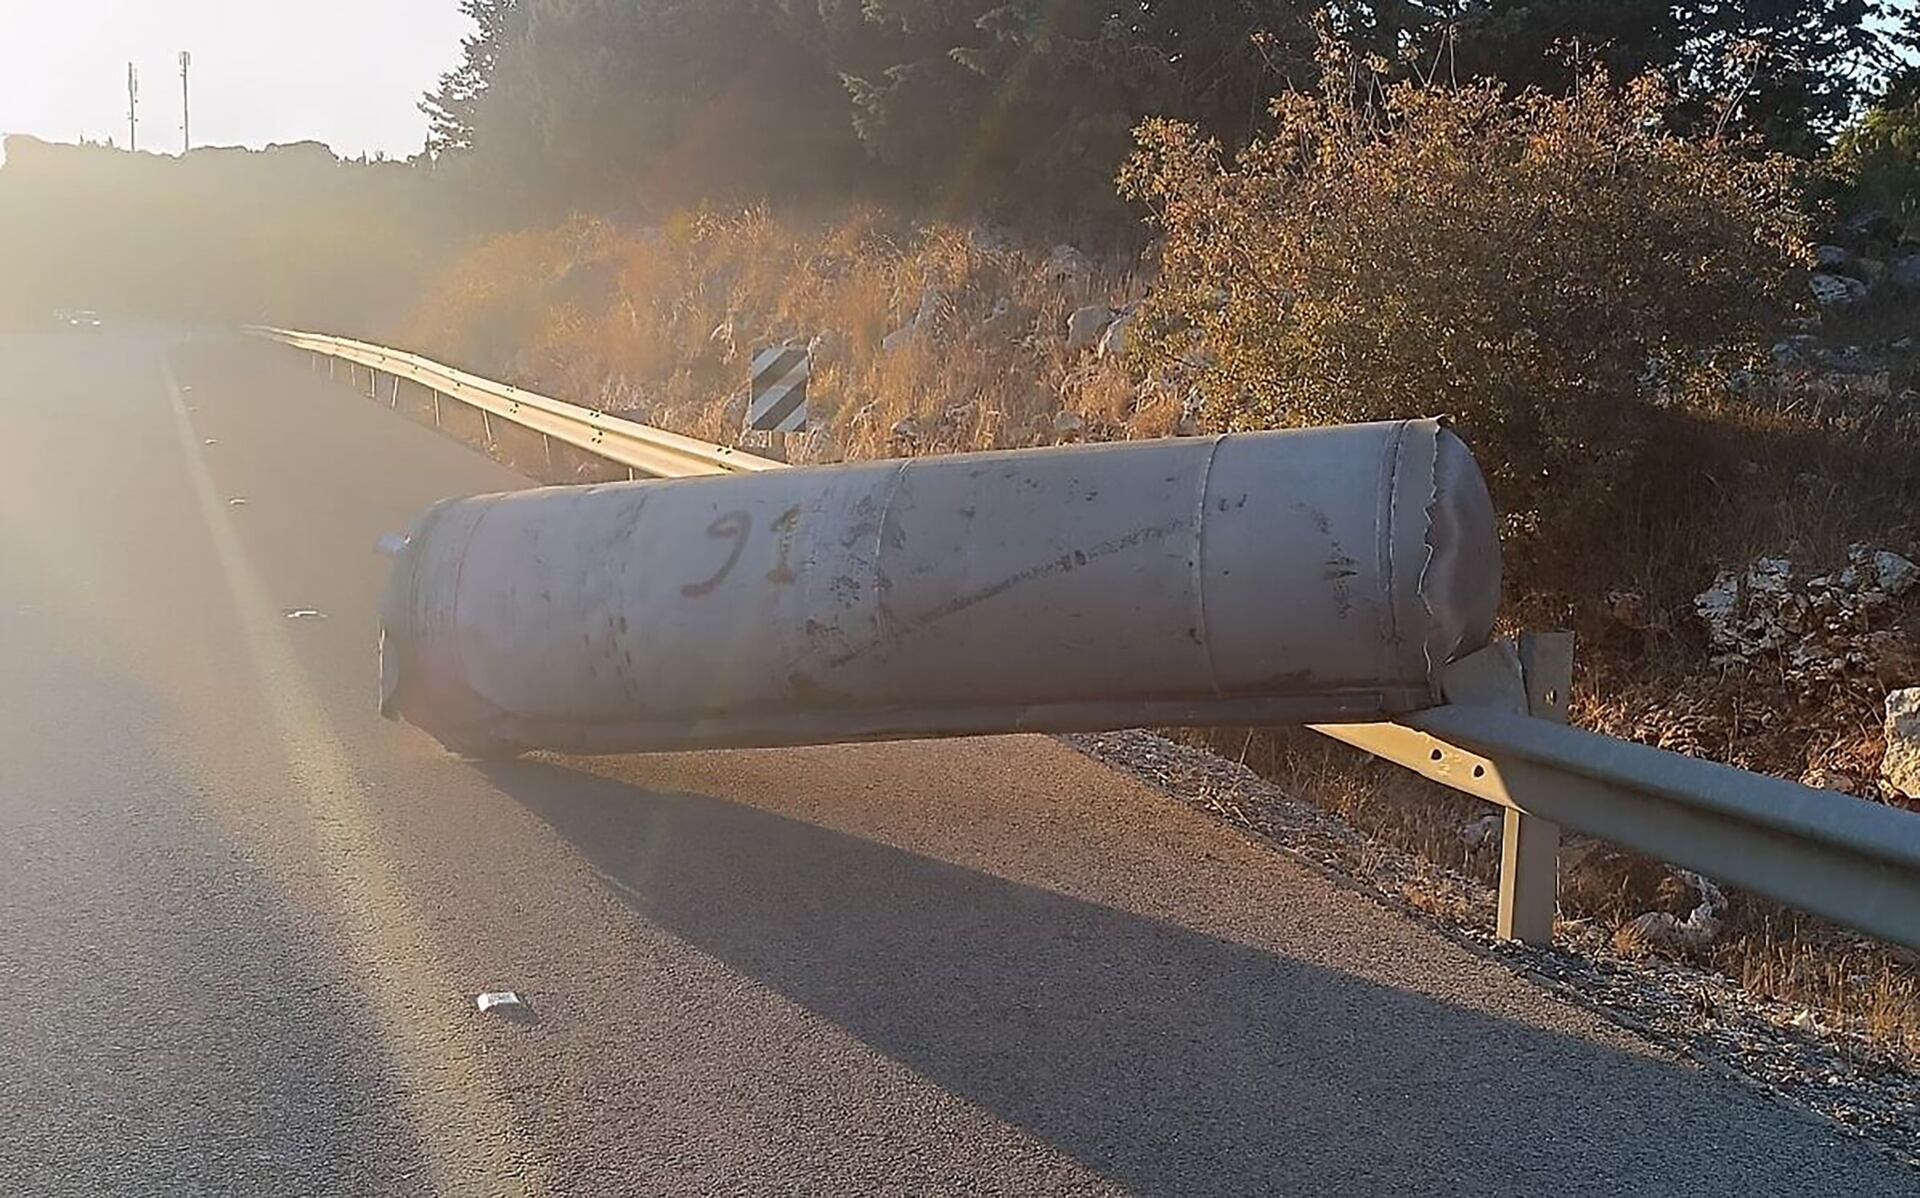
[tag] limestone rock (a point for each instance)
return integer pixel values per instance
(1900, 768)
(1067, 266)
(1837, 291)
(1113, 342)
(1086, 325)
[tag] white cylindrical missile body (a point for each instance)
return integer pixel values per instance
(1285, 577)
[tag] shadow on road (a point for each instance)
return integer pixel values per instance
(1164, 1059)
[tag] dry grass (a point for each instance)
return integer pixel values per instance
(660, 323)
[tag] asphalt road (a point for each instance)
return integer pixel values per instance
(243, 920)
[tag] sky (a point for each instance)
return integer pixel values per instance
(346, 72)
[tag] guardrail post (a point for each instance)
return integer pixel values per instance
(1529, 845)
(393, 400)
(486, 423)
(546, 443)
(436, 409)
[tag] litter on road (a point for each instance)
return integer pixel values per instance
(506, 1002)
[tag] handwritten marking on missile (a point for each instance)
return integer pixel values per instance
(786, 525)
(734, 526)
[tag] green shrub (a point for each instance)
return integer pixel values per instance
(1547, 270)
(1878, 159)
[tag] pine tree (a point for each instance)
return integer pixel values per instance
(1789, 71)
(452, 107)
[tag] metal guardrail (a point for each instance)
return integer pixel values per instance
(1501, 737)
(1854, 862)
(645, 451)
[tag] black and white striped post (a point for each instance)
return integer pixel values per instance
(777, 398)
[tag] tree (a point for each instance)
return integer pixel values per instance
(1789, 71)
(1876, 161)
(452, 108)
(1027, 105)
(625, 104)
(1023, 109)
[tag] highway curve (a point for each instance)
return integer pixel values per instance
(243, 920)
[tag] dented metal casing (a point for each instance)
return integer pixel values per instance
(1288, 577)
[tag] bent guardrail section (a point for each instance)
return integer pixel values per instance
(1501, 736)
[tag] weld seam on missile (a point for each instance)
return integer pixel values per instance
(1200, 569)
(460, 564)
(879, 546)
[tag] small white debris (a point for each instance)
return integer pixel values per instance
(209, 441)
(504, 1001)
(236, 503)
(305, 613)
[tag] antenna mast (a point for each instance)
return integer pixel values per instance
(186, 105)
